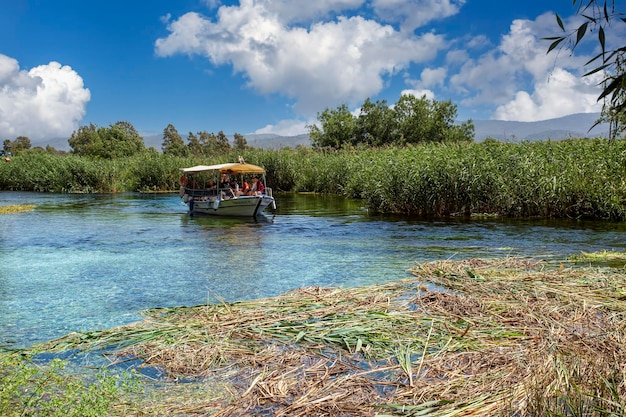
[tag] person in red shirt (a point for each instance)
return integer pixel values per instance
(257, 186)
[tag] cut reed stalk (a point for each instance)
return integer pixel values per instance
(511, 337)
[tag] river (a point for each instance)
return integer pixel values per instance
(87, 262)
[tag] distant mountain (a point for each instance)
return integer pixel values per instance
(268, 141)
(572, 126)
(575, 125)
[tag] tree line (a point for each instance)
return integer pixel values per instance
(121, 139)
(411, 120)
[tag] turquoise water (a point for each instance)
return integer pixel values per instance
(86, 262)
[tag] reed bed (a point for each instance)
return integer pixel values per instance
(508, 337)
(581, 179)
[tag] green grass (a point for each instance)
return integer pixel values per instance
(51, 390)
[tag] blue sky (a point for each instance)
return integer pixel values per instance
(269, 66)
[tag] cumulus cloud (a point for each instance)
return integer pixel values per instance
(322, 64)
(45, 102)
(524, 82)
(431, 77)
(562, 94)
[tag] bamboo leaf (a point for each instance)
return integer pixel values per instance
(581, 32)
(555, 44)
(593, 71)
(601, 38)
(560, 22)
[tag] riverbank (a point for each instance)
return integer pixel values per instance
(509, 336)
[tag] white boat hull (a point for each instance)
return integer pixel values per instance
(244, 206)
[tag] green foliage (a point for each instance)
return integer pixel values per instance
(240, 141)
(193, 143)
(376, 124)
(116, 141)
(222, 142)
(338, 128)
(154, 172)
(411, 120)
(21, 143)
(27, 389)
(173, 144)
(46, 172)
(210, 144)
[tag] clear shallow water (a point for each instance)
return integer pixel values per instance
(86, 262)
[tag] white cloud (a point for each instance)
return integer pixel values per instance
(563, 94)
(290, 11)
(412, 14)
(419, 94)
(329, 62)
(286, 128)
(212, 4)
(431, 77)
(523, 81)
(46, 102)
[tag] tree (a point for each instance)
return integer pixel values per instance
(21, 143)
(411, 117)
(121, 140)
(222, 142)
(209, 144)
(173, 144)
(194, 145)
(375, 124)
(598, 16)
(116, 141)
(338, 128)
(240, 142)
(86, 142)
(410, 120)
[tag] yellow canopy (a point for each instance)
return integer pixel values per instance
(231, 168)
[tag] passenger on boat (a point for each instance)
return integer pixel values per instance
(245, 188)
(234, 188)
(257, 186)
(211, 187)
(224, 181)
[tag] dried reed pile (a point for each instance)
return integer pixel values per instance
(511, 337)
(16, 208)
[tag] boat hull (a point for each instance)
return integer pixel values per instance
(244, 206)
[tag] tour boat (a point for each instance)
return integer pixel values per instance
(218, 190)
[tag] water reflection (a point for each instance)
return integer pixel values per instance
(82, 262)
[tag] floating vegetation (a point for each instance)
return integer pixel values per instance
(603, 255)
(16, 208)
(512, 336)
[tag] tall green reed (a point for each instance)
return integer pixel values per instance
(566, 179)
